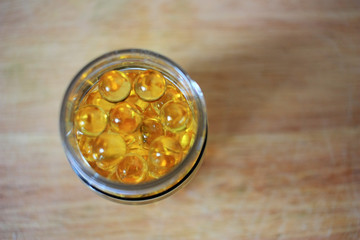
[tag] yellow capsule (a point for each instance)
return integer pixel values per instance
(112, 176)
(171, 134)
(78, 135)
(131, 169)
(140, 104)
(149, 178)
(124, 118)
(90, 120)
(133, 141)
(85, 144)
(100, 171)
(114, 86)
(150, 130)
(108, 146)
(171, 94)
(95, 98)
(132, 138)
(108, 164)
(150, 112)
(187, 137)
(132, 75)
(175, 115)
(187, 140)
(164, 154)
(144, 153)
(150, 85)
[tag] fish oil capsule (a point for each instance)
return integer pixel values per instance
(149, 178)
(187, 137)
(175, 116)
(90, 120)
(132, 75)
(131, 169)
(85, 144)
(132, 138)
(150, 112)
(140, 104)
(171, 134)
(150, 85)
(164, 154)
(112, 176)
(95, 98)
(171, 94)
(108, 164)
(144, 153)
(114, 86)
(108, 146)
(133, 141)
(150, 130)
(124, 118)
(100, 171)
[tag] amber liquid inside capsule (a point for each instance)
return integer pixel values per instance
(85, 144)
(165, 153)
(150, 85)
(171, 94)
(175, 115)
(150, 130)
(134, 126)
(95, 98)
(90, 120)
(132, 169)
(124, 118)
(114, 86)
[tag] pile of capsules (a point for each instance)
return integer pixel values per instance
(134, 126)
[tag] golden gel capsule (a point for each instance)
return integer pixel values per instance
(132, 76)
(95, 98)
(85, 144)
(187, 137)
(186, 140)
(114, 86)
(164, 154)
(108, 146)
(131, 169)
(150, 85)
(150, 130)
(134, 138)
(108, 164)
(140, 104)
(150, 112)
(100, 171)
(171, 93)
(90, 120)
(175, 115)
(133, 141)
(124, 118)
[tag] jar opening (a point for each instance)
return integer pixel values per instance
(83, 82)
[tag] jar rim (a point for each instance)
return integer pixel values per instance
(141, 190)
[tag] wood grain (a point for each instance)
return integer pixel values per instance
(282, 85)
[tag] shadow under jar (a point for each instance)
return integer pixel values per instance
(133, 64)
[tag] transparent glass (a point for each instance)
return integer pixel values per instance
(82, 83)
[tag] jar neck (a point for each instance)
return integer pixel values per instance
(133, 58)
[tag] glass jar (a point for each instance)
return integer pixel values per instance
(83, 82)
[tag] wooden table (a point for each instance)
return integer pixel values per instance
(282, 84)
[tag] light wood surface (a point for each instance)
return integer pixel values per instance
(282, 84)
